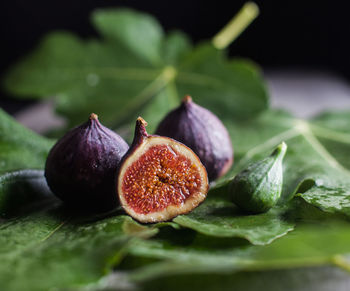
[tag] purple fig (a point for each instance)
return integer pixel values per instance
(160, 178)
(81, 166)
(203, 132)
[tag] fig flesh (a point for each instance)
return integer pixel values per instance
(203, 132)
(160, 178)
(81, 166)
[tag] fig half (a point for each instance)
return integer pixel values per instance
(203, 132)
(160, 178)
(80, 168)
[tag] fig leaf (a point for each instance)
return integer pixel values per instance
(134, 69)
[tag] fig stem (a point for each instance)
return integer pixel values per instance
(93, 116)
(236, 25)
(187, 99)
(141, 121)
(140, 131)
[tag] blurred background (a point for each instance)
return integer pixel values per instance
(301, 45)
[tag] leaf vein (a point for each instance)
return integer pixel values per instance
(270, 143)
(320, 149)
(58, 227)
(330, 134)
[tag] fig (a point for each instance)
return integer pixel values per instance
(258, 188)
(203, 132)
(80, 168)
(160, 178)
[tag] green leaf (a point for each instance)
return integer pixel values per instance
(220, 218)
(231, 89)
(175, 46)
(21, 191)
(51, 249)
(20, 148)
(134, 67)
(315, 166)
(138, 32)
(303, 248)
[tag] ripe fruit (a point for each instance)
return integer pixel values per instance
(258, 188)
(203, 132)
(81, 167)
(160, 178)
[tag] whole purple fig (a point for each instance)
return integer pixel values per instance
(203, 132)
(81, 166)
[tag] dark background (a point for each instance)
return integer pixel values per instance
(287, 34)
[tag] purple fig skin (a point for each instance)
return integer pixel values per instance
(80, 168)
(203, 132)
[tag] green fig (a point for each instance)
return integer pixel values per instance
(258, 187)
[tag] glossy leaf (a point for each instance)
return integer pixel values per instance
(52, 249)
(220, 218)
(303, 248)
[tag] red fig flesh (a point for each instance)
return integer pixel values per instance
(203, 132)
(160, 178)
(80, 168)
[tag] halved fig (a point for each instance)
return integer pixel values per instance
(160, 178)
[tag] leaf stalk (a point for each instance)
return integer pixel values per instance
(236, 26)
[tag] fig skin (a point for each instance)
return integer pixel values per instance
(203, 132)
(257, 188)
(148, 187)
(80, 168)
